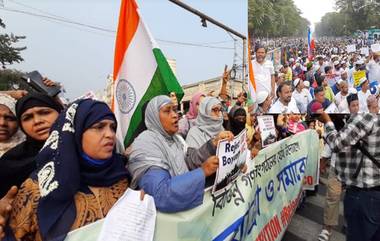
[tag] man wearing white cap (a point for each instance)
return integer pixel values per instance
(337, 71)
(345, 67)
(301, 95)
(264, 71)
(264, 102)
(343, 106)
(373, 67)
(320, 64)
(373, 104)
(342, 94)
(363, 95)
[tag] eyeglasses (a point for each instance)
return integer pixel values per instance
(216, 110)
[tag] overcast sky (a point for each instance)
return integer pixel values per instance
(81, 57)
(313, 10)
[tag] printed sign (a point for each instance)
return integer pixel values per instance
(357, 75)
(232, 155)
(267, 129)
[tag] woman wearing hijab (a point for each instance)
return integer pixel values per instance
(237, 120)
(189, 119)
(10, 133)
(209, 123)
(78, 179)
(164, 167)
(35, 114)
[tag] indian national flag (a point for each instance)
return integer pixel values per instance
(141, 72)
(251, 81)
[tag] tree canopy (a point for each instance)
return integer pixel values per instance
(9, 53)
(351, 15)
(275, 18)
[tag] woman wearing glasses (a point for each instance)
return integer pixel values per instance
(208, 124)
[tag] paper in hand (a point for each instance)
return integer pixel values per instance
(130, 219)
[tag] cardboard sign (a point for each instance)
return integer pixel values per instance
(267, 129)
(357, 75)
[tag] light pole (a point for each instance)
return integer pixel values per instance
(205, 18)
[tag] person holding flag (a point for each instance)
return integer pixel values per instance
(310, 45)
(141, 72)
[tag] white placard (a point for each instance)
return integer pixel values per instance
(267, 129)
(351, 48)
(364, 51)
(375, 48)
(232, 155)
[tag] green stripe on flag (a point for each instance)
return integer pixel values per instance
(163, 82)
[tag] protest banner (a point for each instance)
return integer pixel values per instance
(357, 76)
(267, 129)
(232, 155)
(258, 206)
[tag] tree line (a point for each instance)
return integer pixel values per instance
(351, 15)
(275, 18)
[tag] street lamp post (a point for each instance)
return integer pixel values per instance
(205, 18)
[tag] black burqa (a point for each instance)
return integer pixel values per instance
(234, 125)
(19, 162)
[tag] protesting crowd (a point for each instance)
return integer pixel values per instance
(329, 81)
(172, 160)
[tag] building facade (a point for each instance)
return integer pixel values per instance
(210, 87)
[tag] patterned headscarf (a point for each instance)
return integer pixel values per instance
(64, 169)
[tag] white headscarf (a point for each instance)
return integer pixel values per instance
(206, 126)
(155, 147)
(18, 137)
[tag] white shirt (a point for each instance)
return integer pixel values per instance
(339, 98)
(278, 107)
(302, 99)
(263, 75)
(317, 66)
(363, 108)
(343, 106)
(373, 71)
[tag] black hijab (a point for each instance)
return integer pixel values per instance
(236, 126)
(18, 163)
